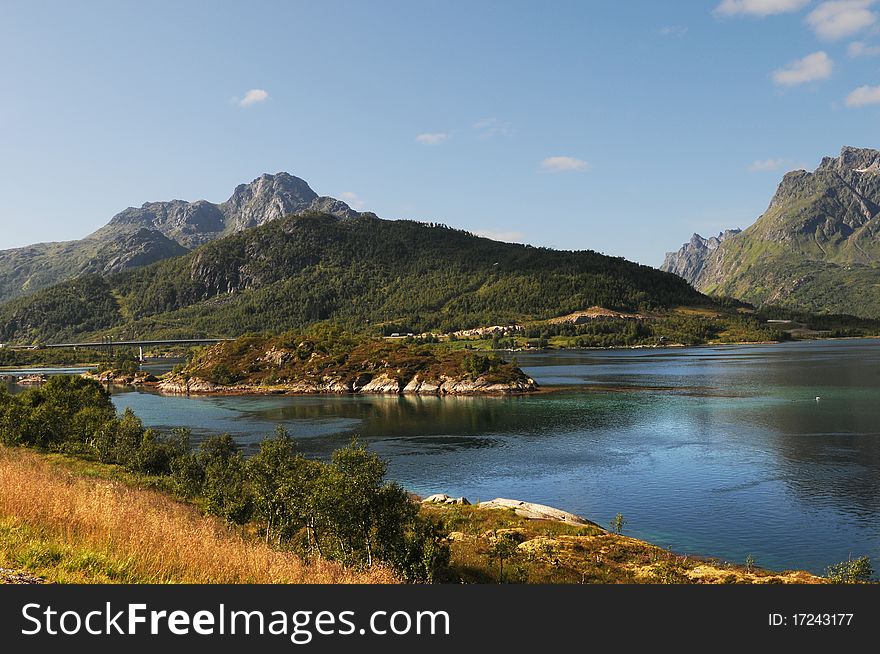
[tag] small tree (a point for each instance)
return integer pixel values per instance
(127, 438)
(224, 488)
(617, 523)
(503, 548)
(281, 480)
(346, 503)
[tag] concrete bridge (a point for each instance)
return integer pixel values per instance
(110, 343)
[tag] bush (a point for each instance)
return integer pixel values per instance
(851, 571)
(64, 414)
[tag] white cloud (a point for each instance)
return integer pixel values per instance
(864, 95)
(507, 237)
(758, 7)
(836, 19)
(811, 68)
(673, 31)
(862, 49)
(253, 96)
(352, 199)
(489, 127)
(432, 138)
(563, 165)
(767, 165)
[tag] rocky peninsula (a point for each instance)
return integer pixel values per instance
(338, 363)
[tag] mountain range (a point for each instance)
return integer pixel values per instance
(277, 257)
(139, 236)
(816, 248)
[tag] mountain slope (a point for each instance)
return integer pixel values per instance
(158, 230)
(368, 274)
(817, 247)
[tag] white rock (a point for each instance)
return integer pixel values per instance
(534, 511)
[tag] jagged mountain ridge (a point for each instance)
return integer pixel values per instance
(689, 260)
(139, 236)
(817, 247)
(191, 224)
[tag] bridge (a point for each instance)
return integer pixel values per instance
(110, 343)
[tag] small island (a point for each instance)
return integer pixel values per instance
(331, 361)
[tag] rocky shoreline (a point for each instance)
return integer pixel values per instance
(561, 547)
(364, 385)
(122, 379)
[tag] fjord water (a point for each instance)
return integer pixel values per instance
(723, 451)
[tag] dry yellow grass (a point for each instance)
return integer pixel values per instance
(69, 528)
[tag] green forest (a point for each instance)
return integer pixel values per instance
(368, 275)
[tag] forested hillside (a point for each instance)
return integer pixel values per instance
(367, 274)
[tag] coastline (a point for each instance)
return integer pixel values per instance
(544, 544)
(27, 376)
(379, 386)
(552, 541)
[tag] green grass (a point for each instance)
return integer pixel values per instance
(45, 555)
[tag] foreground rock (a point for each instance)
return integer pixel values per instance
(32, 380)
(527, 510)
(443, 498)
(533, 511)
(9, 576)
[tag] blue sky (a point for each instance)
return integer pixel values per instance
(621, 127)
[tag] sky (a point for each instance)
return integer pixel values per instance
(621, 127)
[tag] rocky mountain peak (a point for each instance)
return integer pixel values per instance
(689, 260)
(266, 198)
(851, 160)
(191, 224)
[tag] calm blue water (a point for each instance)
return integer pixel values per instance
(720, 451)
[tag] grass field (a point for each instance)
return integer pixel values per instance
(70, 523)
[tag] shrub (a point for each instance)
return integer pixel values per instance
(851, 571)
